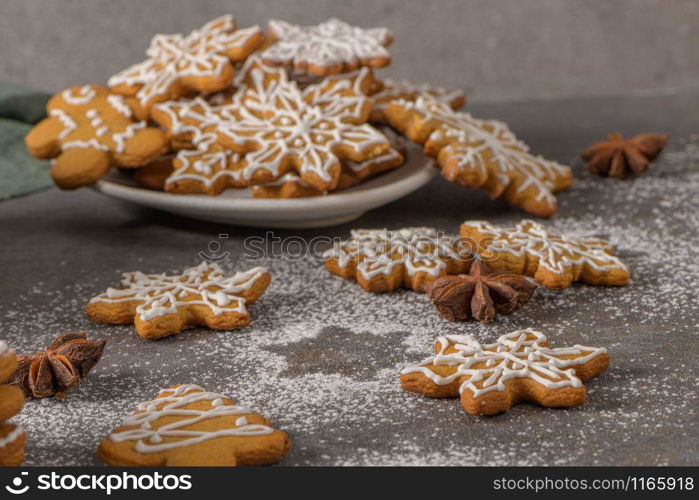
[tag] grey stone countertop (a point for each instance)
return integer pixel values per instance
(321, 356)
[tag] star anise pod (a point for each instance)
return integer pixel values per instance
(58, 368)
(617, 157)
(480, 293)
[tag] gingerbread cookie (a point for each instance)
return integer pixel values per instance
(88, 131)
(292, 186)
(328, 48)
(481, 154)
(519, 367)
(270, 129)
(392, 90)
(209, 169)
(160, 305)
(312, 132)
(555, 261)
(382, 260)
(188, 426)
(8, 361)
(154, 175)
(287, 186)
(12, 439)
(201, 62)
(11, 401)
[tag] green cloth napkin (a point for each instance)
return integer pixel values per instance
(20, 173)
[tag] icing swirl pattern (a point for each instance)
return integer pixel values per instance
(330, 47)
(142, 425)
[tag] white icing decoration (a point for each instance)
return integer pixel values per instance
(110, 135)
(12, 436)
(117, 102)
(518, 354)
(68, 123)
(172, 403)
(394, 90)
(205, 284)
(483, 142)
(309, 125)
(329, 43)
(84, 95)
(4, 348)
(556, 253)
(206, 164)
(202, 53)
(418, 249)
(273, 113)
(120, 138)
(92, 143)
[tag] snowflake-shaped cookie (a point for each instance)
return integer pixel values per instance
(382, 260)
(187, 425)
(396, 90)
(179, 65)
(519, 367)
(481, 154)
(160, 305)
(292, 186)
(88, 130)
(281, 128)
(330, 47)
(553, 260)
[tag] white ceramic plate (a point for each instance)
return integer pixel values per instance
(238, 207)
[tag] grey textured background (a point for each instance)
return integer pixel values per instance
(499, 49)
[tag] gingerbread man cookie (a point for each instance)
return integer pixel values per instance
(481, 154)
(519, 367)
(383, 260)
(328, 48)
(392, 90)
(160, 305)
(554, 260)
(189, 426)
(88, 131)
(201, 62)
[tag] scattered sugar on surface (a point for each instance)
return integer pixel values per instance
(321, 356)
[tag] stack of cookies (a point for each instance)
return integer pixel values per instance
(11, 400)
(292, 112)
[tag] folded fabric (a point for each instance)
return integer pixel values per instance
(20, 173)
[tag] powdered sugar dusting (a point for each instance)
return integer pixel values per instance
(321, 357)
